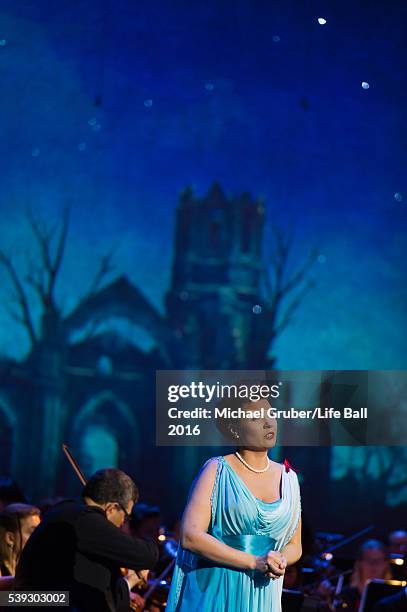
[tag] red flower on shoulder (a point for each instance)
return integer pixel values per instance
(288, 466)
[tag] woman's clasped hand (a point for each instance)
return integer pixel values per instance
(272, 564)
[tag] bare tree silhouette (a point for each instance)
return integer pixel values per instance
(52, 332)
(55, 327)
(42, 276)
(283, 292)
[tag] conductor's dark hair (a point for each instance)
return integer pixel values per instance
(111, 485)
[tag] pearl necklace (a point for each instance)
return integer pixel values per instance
(249, 467)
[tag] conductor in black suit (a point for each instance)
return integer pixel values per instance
(78, 547)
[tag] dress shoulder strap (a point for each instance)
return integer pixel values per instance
(215, 489)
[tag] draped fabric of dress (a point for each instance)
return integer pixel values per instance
(247, 523)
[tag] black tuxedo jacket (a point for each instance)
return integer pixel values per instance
(76, 549)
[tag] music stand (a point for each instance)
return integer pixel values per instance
(291, 601)
(376, 589)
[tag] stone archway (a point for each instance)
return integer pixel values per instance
(106, 434)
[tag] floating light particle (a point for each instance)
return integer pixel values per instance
(257, 309)
(184, 295)
(82, 146)
(3, 42)
(96, 127)
(321, 259)
(92, 121)
(276, 39)
(35, 152)
(321, 21)
(148, 103)
(398, 197)
(209, 86)
(365, 85)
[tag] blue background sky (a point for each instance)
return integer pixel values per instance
(117, 106)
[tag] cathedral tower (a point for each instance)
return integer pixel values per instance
(216, 277)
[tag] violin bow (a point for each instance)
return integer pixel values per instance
(74, 464)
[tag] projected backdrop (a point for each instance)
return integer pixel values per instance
(212, 184)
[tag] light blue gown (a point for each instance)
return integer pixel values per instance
(247, 523)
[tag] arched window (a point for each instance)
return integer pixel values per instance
(105, 434)
(99, 448)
